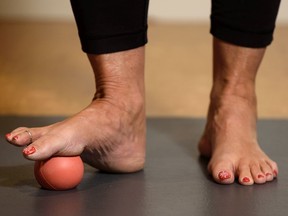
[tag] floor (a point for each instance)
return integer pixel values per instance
(44, 71)
(174, 181)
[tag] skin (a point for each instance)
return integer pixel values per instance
(230, 137)
(110, 133)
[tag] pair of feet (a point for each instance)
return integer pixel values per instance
(111, 137)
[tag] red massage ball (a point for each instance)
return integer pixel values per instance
(59, 173)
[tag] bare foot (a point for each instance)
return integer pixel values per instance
(230, 140)
(108, 137)
(110, 133)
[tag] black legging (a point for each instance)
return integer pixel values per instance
(248, 23)
(107, 26)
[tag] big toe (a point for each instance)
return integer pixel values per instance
(48, 145)
(39, 150)
(222, 171)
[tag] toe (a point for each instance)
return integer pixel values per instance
(222, 172)
(268, 171)
(274, 167)
(18, 130)
(275, 173)
(244, 175)
(258, 176)
(51, 145)
(20, 136)
(39, 150)
(24, 136)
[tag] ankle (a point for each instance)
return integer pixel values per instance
(132, 104)
(233, 90)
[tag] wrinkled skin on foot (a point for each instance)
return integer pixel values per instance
(110, 133)
(106, 137)
(230, 137)
(230, 141)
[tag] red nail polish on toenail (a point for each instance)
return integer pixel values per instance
(260, 176)
(246, 179)
(8, 135)
(29, 150)
(275, 172)
(223, 175)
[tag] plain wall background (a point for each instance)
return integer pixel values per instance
(164, 10)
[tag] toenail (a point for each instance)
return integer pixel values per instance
(29, 150)
(275, 172)
(260, 176)
(268, 174)
(8, 135)
(246, 179)
(223, 175)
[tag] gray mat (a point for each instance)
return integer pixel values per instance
(174, 182)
